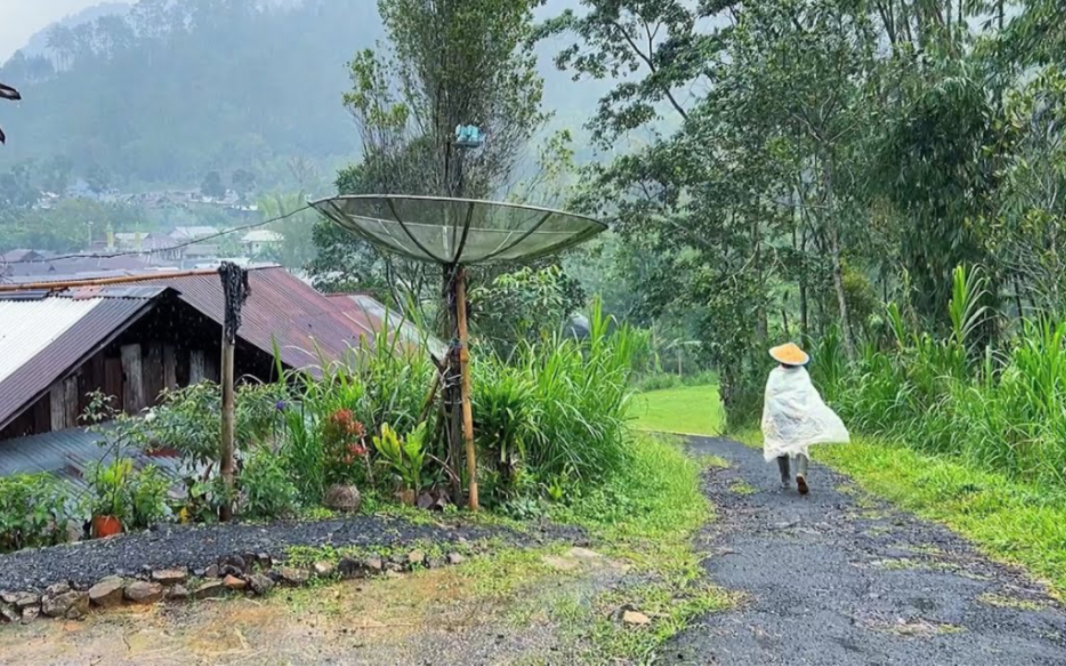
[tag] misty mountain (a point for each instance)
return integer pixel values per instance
(165, 93)
(37, 45)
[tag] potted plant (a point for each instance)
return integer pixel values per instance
(109, 496)
(346, 460)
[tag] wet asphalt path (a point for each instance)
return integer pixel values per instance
(838, 578)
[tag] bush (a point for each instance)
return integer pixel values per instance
(34, 511)
(136, 497)
(266, 487)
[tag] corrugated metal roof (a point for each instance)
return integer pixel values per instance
(67, 453)
(75, 328)
(27, 327)
(282, 308)
(380, 316)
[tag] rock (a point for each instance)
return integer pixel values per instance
(170, 576)
(324, 569)
(30, 613)
(57, 589)
(8, 614)
(235, 561)
(349, 567)
(416, 558)
(435, 562)
(24, 600)
(393, 573)
(234, 583)
(108, 592)
(375, 565)
(635, 618)
(340, 497)
(455, 558)
(213, 571)
(293, 577)
(230, 570)
(265, 560)
(199, 573)
(178, 593)
(210, 589)
(392, 567)
(261, 584)
(143, 592)
(8, 597)
(72, 605)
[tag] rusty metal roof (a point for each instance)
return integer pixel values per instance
(45, 339)
(281, 308)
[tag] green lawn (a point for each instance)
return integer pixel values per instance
(689, 410)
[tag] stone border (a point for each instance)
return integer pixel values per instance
(249, 574)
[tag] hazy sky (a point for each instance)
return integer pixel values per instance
(19, 19)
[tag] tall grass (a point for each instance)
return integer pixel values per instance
(563, 402)
(1000, 407)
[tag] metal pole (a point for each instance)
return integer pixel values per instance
(464, 368)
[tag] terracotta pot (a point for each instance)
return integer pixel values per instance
(105, 526)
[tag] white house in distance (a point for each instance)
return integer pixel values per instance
(258, 241)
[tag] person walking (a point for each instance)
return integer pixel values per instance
(794, 416)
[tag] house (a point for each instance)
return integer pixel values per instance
(131, 337)
(258, 241)
(185, 234)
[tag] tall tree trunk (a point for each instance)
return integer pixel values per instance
(834, 252)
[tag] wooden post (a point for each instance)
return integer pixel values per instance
(226, 510)
(235, 290)
(464, 368)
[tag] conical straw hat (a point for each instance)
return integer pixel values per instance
(789, 354)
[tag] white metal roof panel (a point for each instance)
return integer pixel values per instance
(28, 327)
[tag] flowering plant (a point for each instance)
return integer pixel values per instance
(346, 452)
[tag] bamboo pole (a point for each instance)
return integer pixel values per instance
(464, 368)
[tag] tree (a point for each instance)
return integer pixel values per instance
(243, 183)
(212, 186)
(447, 63)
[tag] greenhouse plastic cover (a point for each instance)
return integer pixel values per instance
(458, 231)
(795, 417)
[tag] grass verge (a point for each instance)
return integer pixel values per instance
(689, 410)
(646, 516)
(1014, 522)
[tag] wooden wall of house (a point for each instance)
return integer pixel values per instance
(173, 346)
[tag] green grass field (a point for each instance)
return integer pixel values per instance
(689, 410)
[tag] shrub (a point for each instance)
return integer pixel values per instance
(266, 488)
(34, 511)
(405, 457)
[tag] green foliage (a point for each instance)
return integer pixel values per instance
(138, 498)
(404, 457)
(526, 305)
(34, 511)
(267, 486)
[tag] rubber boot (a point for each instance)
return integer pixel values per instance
(801, 474)
(786, 476)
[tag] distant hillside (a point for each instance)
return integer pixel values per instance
(141, 96)
(38, 43)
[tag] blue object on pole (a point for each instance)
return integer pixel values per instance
(469, 136)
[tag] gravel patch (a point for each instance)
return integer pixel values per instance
(197, 547)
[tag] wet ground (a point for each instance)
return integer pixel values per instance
(837, 578)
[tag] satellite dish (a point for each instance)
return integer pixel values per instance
(453, 232)
(457, 233)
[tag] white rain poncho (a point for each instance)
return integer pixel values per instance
(794, 416)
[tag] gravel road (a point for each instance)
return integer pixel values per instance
(837, 578)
